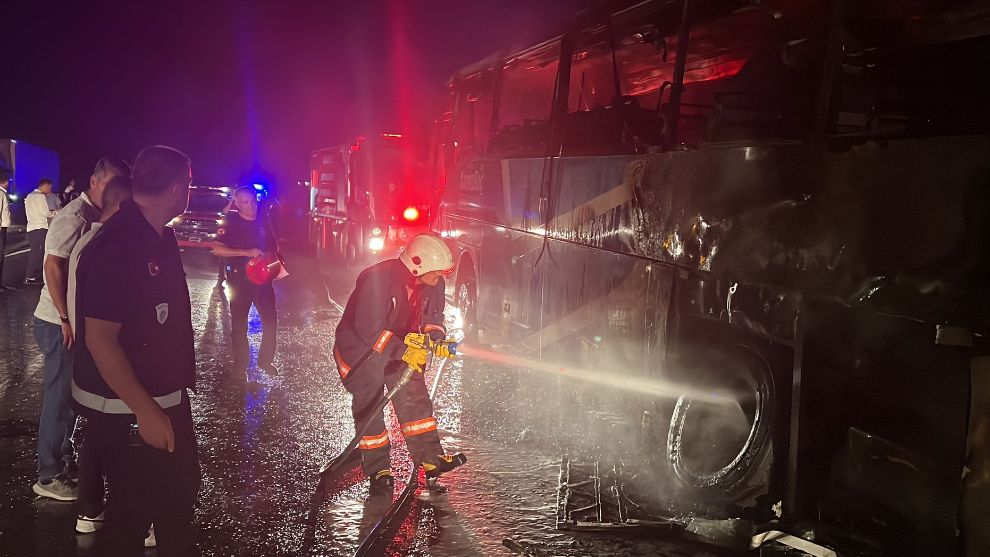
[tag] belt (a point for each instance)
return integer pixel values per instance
(117, 406)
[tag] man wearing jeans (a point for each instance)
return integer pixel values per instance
(54, 335)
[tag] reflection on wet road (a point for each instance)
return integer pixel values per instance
(262, 442)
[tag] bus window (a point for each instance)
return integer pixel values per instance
(912, 72)
(743, 79)
(473, 111)
(525, 101)
(592, 78)
(596, 123)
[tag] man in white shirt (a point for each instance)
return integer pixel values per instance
(4, 217)
(54, 335)
(40, 212)
(91, 487)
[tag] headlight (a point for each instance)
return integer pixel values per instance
(376, 244)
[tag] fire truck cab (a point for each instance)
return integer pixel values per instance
(366, 198)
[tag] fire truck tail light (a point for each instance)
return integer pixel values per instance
(376, 244)
(410, 214)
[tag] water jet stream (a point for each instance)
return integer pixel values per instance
(642, 386)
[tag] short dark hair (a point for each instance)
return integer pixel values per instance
(118, 189)
(4, 175)
(157, 167)
(111, 164)
(44, 181)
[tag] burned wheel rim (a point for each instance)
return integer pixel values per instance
(714, 446)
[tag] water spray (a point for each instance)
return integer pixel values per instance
(636, 385)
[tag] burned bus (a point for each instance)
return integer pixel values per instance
(785, 202)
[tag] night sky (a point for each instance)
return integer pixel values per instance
(241, 85)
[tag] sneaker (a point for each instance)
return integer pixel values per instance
(58, 489)
(149, 540)
(382, 483)
(445, 463)
(88, 525)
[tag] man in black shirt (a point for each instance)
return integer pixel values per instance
(246, 234)
(135, 360)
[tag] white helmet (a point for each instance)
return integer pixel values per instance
(425, 253)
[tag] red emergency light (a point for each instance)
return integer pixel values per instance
(410, 214)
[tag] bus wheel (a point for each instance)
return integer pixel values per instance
(466, 301)
(718, 446)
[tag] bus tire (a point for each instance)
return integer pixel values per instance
(693, 451)
(466, 301)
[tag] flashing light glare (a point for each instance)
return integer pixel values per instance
(391, 136)
(376, 231)
(258, 187)
(225, 189)
(410, 214)
(376, 244)
(13, 197)
(219, 221)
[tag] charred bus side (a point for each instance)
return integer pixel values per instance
(781, 201)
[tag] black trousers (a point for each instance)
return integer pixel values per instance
(3, 247)
(36, 259)
(147, 485)
(244, 294)
(413, 408)
(90, 480)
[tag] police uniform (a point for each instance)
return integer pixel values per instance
(385, 306)
(240, 233)
(128, 274)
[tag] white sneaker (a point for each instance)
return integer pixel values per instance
(58, 489)
(87, 524)
(149, 540)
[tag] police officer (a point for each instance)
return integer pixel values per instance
(247, 234)
(391, 299)
(135, 361)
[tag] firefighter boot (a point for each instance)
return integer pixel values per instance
(382, 483)
(445, 463)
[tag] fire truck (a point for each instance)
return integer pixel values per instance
(365, 198)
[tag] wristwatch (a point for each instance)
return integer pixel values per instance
(64, 318)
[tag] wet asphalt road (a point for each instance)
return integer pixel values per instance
(262, 443)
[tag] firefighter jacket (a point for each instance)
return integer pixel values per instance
(386, 305)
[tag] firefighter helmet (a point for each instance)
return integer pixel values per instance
(263, 268)
(426, 253)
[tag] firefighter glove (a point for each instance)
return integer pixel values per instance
(444, 349)
(415, 357)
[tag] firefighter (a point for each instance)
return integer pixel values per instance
(391, 299)
(247, 234)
